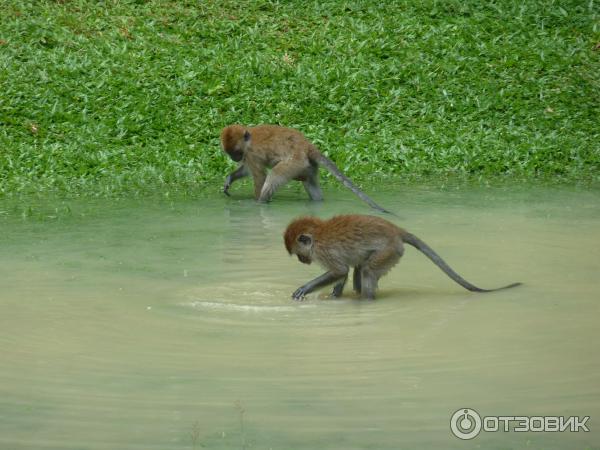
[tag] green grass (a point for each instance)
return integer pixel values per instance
(113, 97)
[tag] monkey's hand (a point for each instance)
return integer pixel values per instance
(227, 185)
(240, 172)
(320, 281)
(300, 293)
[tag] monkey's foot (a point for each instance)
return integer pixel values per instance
(337, 290)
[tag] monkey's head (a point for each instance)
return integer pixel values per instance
(235, 140)
(299, 238)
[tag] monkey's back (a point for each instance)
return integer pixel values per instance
(281, 143)
(351, 239)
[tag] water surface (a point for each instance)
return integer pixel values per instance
(166, 324)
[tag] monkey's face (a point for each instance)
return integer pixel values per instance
(304, 247)
(234, 149)
(304, 259)
(236, 155)
(234, 141)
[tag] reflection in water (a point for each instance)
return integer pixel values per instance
(169, 324)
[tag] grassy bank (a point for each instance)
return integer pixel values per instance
(121, 96)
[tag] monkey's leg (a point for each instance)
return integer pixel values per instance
(378, 264)
(311, 185)
(369, 283)
(339, 287)
(272, 183)
(320, 281)
(259, 183)
(279, 175)
(240, 172)
(356, 281)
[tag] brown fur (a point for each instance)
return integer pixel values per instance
(289, 155)
(348, 241)
(371, 245)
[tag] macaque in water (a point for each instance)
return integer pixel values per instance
(289, 155)
(371, 245)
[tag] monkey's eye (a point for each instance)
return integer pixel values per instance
(304, 239)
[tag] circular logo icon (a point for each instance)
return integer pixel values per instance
(465, 423)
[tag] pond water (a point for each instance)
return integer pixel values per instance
(168, 324)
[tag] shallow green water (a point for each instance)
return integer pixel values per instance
(159, 324)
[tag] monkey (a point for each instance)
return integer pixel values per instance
(369, 244)
(289, 155)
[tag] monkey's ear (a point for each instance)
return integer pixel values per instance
(246, 135)
(304, 239)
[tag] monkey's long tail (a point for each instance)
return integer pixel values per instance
(438, 261)
(330, 165)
